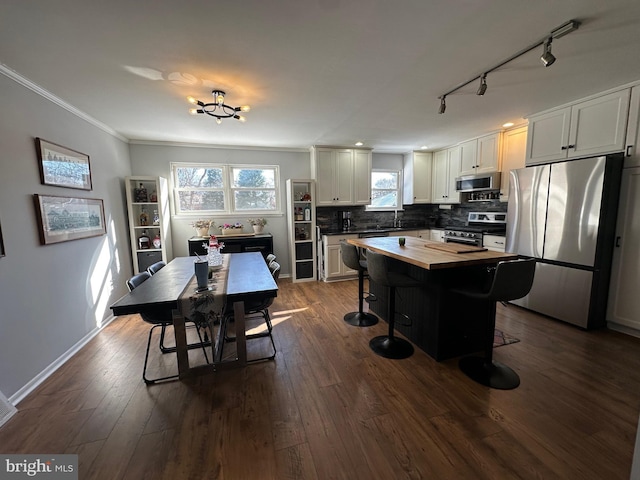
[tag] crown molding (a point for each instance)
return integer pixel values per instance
(37, 89)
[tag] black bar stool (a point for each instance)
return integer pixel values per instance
(352, 259)
(389, 346)
(512, 280)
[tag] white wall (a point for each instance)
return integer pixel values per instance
(155, 160)
(53, 296)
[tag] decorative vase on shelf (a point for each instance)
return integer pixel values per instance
(202, 231)
(231, 231)
(258, 229)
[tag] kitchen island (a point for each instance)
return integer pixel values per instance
(442, 323)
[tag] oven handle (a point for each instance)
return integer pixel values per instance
(461, 240)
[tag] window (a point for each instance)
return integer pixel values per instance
(225, 189)
(386, 190)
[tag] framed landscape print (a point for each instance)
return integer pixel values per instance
(62, 167)
(61, 219)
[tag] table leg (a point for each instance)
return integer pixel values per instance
(241, 338)
(182, 352)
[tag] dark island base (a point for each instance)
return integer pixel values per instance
(443, 324)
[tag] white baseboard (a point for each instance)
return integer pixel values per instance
(61, 360)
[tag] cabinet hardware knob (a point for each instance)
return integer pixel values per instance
(629, 148)
(564, 147)
(571, 146)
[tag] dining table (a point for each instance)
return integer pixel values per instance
(433, 316)
(241, 278)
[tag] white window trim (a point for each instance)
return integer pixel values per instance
(227, 189)
(400, 206)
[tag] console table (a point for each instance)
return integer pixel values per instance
(262, 243)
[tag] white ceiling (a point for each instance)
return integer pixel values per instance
(317, 72)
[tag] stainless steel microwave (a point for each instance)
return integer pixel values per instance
(478, 183)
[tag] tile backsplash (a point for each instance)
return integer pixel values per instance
(418, 216)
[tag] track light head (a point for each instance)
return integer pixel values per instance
(547, 57)
(443, 104)
(483, 85)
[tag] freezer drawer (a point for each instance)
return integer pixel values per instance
(560, 292)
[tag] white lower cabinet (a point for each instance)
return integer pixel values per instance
(436, 235)
(624, 305)
(334, 268)
(426, 234)
(494, 243)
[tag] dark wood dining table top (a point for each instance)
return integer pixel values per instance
(248, 277)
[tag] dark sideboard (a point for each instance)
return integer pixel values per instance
(262, 243)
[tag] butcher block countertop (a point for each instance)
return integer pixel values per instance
(431, 255)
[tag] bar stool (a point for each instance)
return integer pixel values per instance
(351, 259)
(389, 346)
(512, 280)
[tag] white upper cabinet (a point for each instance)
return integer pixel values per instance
(417, 178)
(343, 176)
(632, 150)
(480, 155)
(514, 153)
(446, 167)
(587, 128)
(362, 177)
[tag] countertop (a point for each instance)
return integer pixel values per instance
(356, 231)
(417, 253)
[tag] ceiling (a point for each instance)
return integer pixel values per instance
(317, 72)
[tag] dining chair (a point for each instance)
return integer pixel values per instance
(270, 258)
(153, 269)
(256, 309)
(512, 279)
(160, 318)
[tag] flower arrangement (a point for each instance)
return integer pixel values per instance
(231, 225)
(261, 222)
(200, 223)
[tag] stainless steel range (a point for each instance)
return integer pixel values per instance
(478, 223)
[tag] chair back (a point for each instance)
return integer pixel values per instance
(513, 279)
(378, 268)
(350, 255)
(274, 268)
(270, 258)
(137, 280)
(153, 269)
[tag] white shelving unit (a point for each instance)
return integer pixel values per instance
(155, 203)
(301, 225)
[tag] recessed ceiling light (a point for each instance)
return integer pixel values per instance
(508, 124)
(423, 147)
(359, 144)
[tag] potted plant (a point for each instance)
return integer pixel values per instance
(258, 224)
(231, 228)
(202, 227)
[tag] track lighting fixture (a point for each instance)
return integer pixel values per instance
(483, 85)
(443, 104)
(547, 59)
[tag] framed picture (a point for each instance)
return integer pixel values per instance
(62, 167)
(61, 219)
(2, 253)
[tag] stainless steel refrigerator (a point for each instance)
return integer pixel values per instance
(564, 215)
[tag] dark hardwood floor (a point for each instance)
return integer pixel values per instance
(327, 407)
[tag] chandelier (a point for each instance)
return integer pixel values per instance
(218, 108)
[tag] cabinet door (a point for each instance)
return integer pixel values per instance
(548, 136)
(468, 157)
(599, 125)
(417, 178)
(324, 177)
(440, 185)
(623, 306)
(514, 146)
(362, 177)
(632, 150)
(488, 153)
(436, 235)
(453, 171)
(333, 261)
(343, 177)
